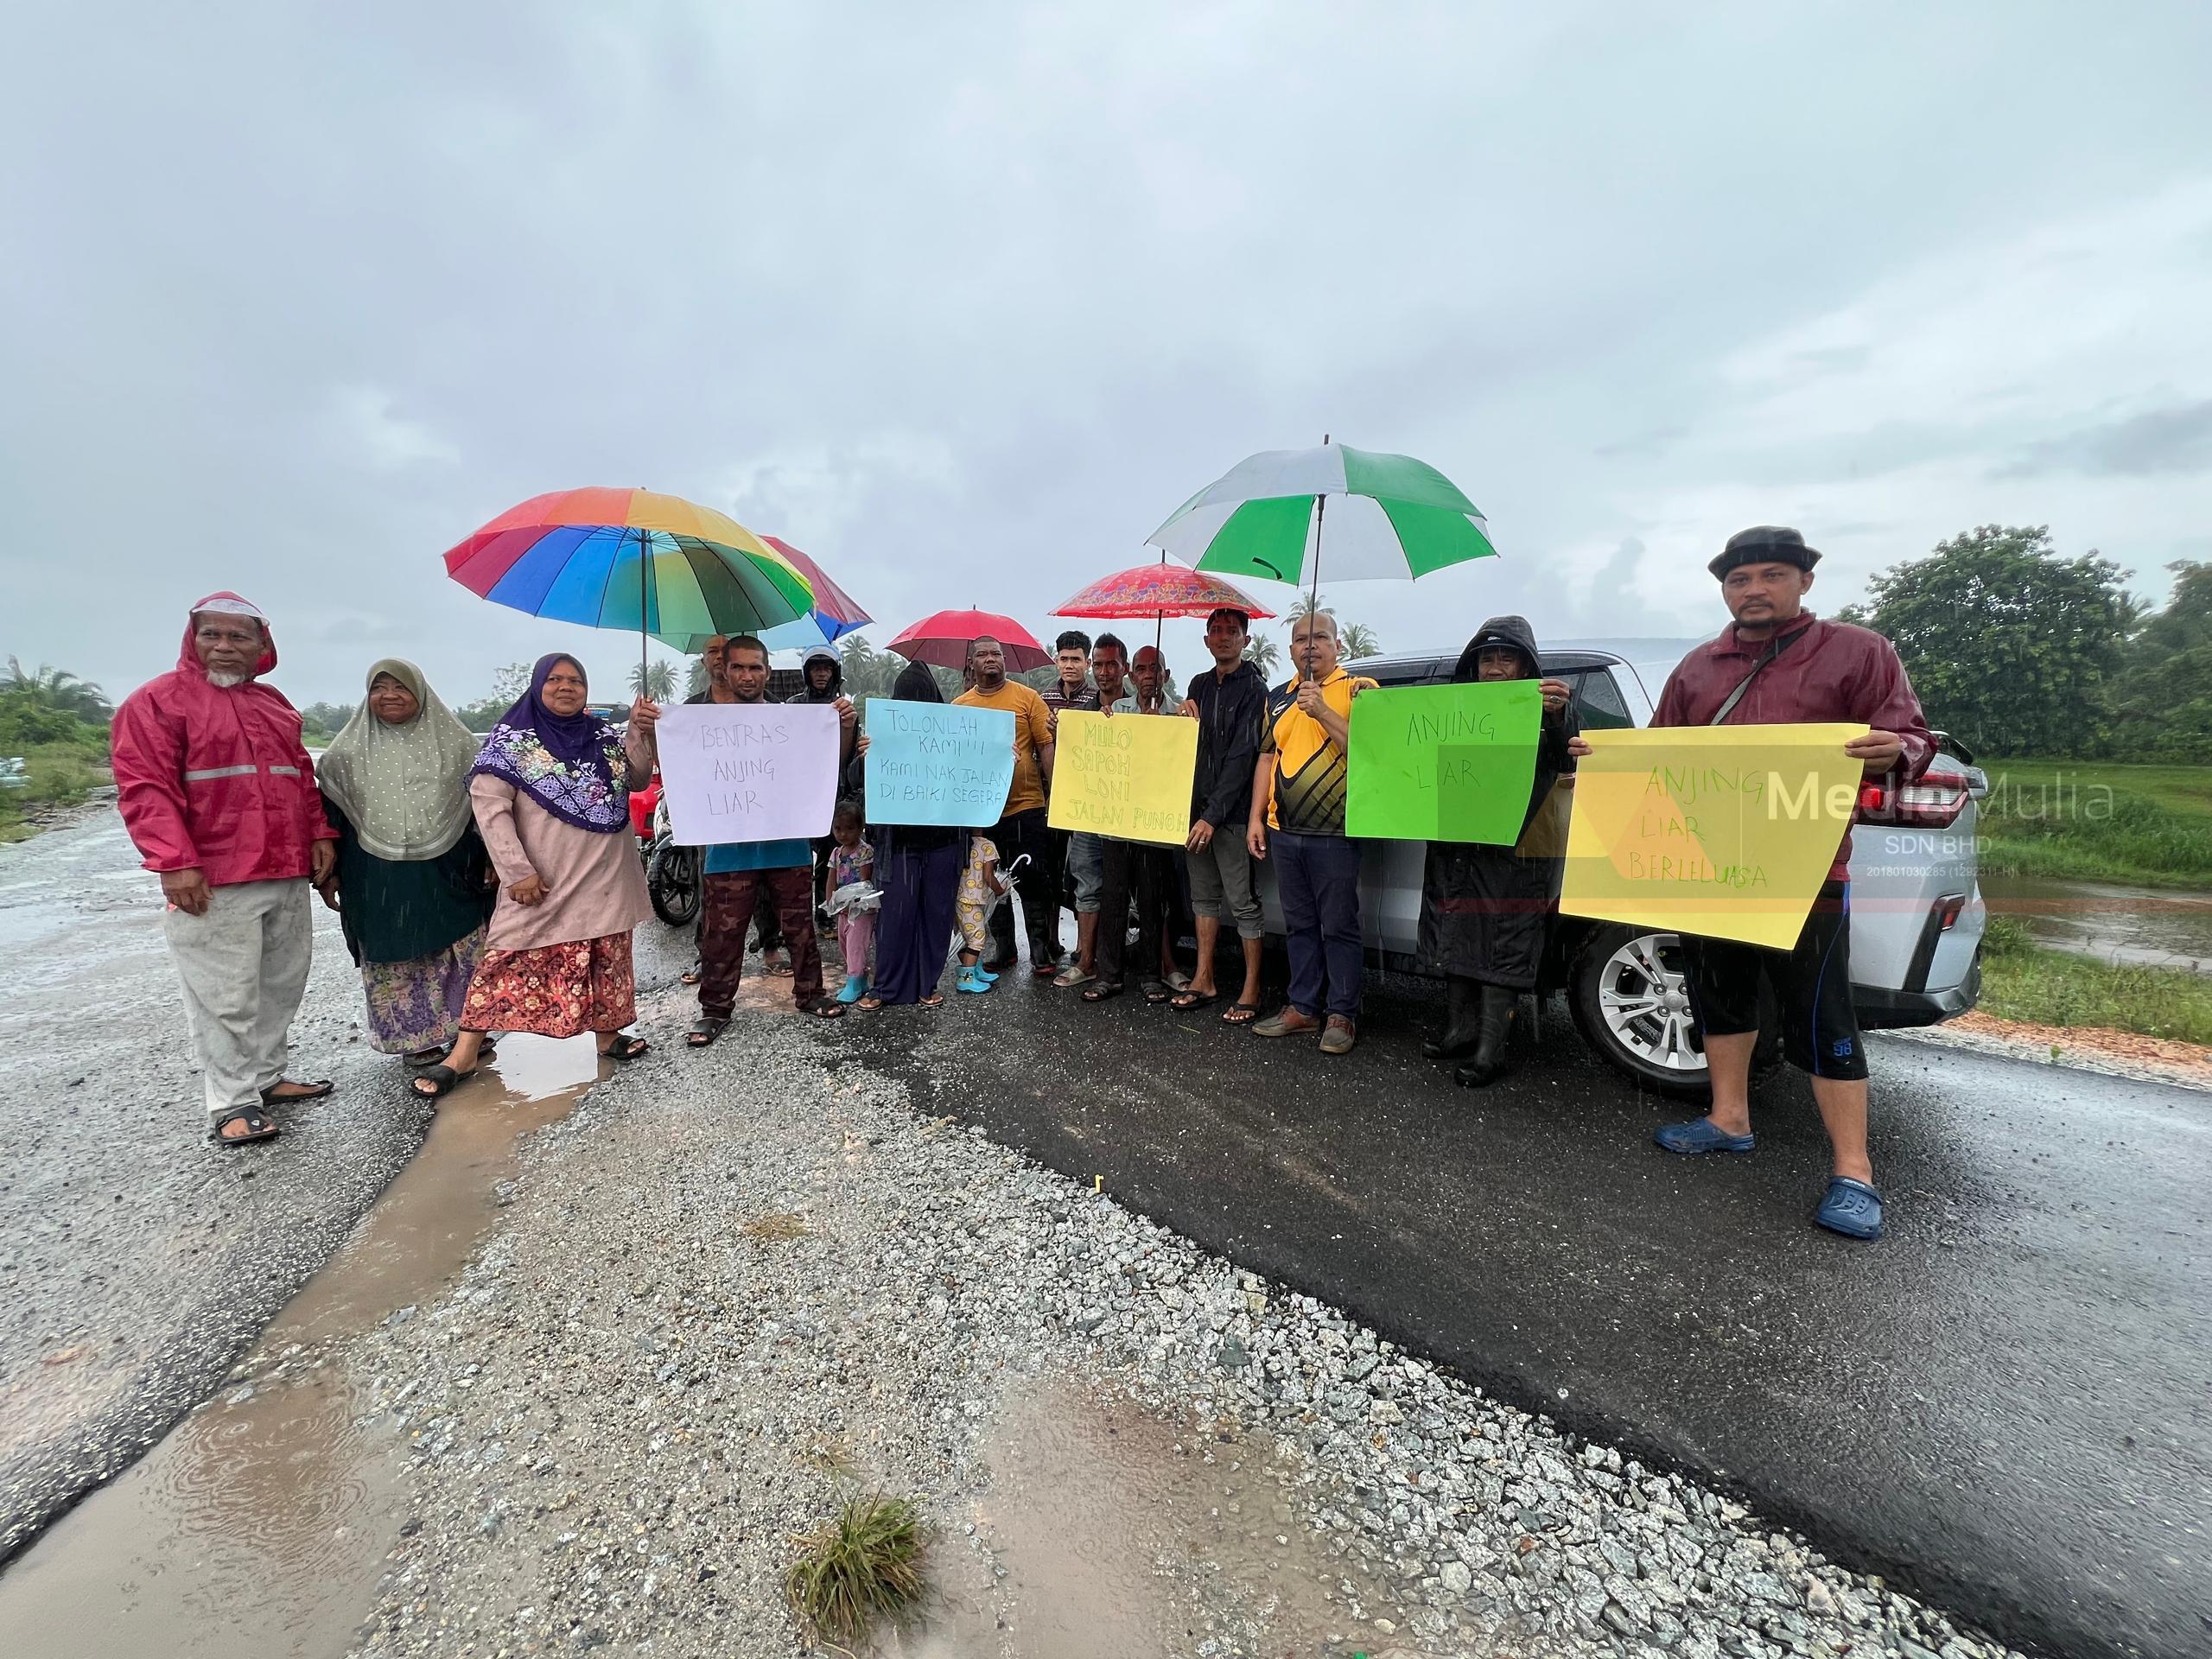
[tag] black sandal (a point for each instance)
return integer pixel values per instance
(1240, 1014)
(314, 1090)
(442, 1080)
(1190, 1001)
(826, 1008)
(1155, 991)
(625, 1047)
(1100, 992)
(259, 1127)
(705, 1029)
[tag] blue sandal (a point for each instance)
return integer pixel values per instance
(1701, 1135)
(1852, 1208)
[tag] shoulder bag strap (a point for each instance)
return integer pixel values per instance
(1782, 643)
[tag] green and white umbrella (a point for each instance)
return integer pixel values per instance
(1385, 516)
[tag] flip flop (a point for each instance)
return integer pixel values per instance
(705, 1030)
(259, 1127)
(780, 969)
(1190, 999)
(314, 1090)
(1240, 1014)
(626, 1047)
(1155, 992)
(442, 1080)
(826, 1008)
(689, 976)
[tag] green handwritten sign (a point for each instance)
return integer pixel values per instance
(1443, 762)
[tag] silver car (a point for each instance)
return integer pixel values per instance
(1917, 914)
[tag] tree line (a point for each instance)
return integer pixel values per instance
(2017, 649)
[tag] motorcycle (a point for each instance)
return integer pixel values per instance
(674, 878)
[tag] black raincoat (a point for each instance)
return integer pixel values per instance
(1485, 909)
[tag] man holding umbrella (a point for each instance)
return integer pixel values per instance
(1021, 829)
(1297, 814)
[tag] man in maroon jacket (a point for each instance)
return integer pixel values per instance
(1777, 664)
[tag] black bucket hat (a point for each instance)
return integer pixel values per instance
(1765, 544)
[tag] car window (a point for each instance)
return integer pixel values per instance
(1598, 701)
(1400, 672)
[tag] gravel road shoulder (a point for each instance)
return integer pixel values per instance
(733, 1286)
(135, 1260)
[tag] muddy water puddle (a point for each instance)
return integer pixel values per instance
(258, 1527)
(1108, 1533)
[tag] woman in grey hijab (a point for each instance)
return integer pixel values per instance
(412, 885)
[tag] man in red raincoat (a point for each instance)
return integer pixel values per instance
(219, 794)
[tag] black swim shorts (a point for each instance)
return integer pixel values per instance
(1812, 989)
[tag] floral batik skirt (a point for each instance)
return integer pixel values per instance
(556, 990)
(417, 1004)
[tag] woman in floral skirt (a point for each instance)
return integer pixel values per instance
(411, 885)
(551, 792)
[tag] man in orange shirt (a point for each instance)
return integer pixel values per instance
(1021, 829)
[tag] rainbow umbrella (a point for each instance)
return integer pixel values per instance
(1157, 591)
(631, 559)
(835, 613)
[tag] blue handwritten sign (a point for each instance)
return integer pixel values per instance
(936, 763)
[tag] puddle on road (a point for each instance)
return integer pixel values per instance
(1112, 1536)
(258, 1527)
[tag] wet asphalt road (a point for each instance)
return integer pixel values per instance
(2006, 1406)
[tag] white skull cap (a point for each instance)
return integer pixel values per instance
(224, 605)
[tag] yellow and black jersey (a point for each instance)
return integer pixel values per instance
(1310, 771)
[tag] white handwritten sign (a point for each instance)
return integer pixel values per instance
(749, 770)
(938, 763)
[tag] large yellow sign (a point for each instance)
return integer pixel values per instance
(1128, 776)
(1726, 832)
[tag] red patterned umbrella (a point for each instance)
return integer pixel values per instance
(1156, 591)
(942, 640)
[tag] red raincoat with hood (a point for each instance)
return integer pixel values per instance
(215, 777)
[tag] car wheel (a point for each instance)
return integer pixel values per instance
(1633, 1006)
(1632, 1003)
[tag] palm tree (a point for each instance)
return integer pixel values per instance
(1359, 640)
(1263, 654)
(694, 678)
(657, 681)
(57, 688)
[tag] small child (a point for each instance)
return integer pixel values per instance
(981, 887)
(852, 863)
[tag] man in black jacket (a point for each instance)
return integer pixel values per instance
(1229, 705)
(824, 672)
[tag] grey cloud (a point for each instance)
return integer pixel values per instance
(962, 308)
(2175, 439)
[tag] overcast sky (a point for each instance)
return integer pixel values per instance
(965, 301)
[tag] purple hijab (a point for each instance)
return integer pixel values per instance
(571, 765)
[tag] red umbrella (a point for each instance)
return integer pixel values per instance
(942, 640)
(1157, 591)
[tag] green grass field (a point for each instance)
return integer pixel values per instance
(2147, 826)
(2022, 980)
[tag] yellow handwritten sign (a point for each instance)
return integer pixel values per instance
(1128, 776)
(1726, 832)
